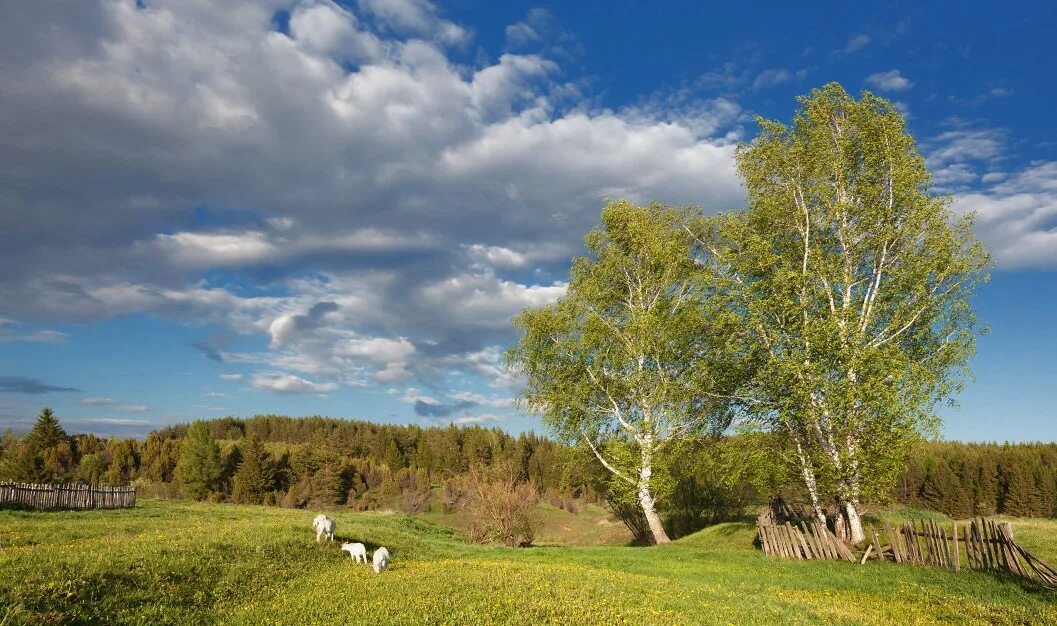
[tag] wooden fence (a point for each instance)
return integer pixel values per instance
(804, 541)
(60, 497)
(981, 544)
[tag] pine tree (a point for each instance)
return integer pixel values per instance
(326, 487)
(47, 432)
(1021, 496)
(254, 476)
(942, 491)
(198, 469)
(41, 460)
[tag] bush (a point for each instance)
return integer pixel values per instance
(499, 508)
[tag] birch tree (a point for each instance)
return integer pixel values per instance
(854, 281)
(623, 356)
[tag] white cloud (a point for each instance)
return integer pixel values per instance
(1017, 217)
(476, 398)
(231, 377)
(415, 17)
(485, 418)
(856, 43)
(109, 421)
(413, 193)
(521, 34)
(772, 78)
(892, 80)
(289, 384)
(326, 28)
(110, 402)
(965, 144)
(97, 401)
(37, 336)
(496, 256)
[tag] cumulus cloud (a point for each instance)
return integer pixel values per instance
(1015, 208)
(416, 18)
(1017, 217)
(892, 80)
(289, 384)
(341, 186)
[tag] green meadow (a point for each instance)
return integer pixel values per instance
(198, 563)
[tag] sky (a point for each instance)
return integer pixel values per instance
(306, 207)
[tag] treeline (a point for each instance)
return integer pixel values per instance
(965, 480)
(324, 462)
(279, 460)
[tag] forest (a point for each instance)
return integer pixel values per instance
(322, 462)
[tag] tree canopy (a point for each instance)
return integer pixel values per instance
(853, 281)
(630, 354)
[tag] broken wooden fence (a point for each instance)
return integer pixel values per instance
(61, 497)
(981, 544)
(804, 541)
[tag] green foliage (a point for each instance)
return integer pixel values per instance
(46, 432)
(854, 282)
(198, 469)
(254, 477)
(45, 455)
(633, 352)
(327, 489)
(965, 480)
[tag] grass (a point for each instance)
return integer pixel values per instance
(178, 562)
(592, 525)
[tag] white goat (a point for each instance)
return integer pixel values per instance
(357, 551)
(381, 560)
(324, 526)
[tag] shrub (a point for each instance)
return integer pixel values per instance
(499, 508)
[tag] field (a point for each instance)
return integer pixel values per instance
(180, 562)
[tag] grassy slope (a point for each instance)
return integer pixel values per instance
(592, 525)
(198, 563)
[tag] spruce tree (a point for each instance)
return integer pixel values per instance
(1021, 497)
(942, 491)
(254, 476)
(47, 432)
(198, 469)
(326, 487)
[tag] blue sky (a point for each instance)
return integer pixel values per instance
(318, 208)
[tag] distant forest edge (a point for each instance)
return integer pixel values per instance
(323, 462)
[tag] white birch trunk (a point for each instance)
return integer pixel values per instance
(646, 500)
(855, 531)
(808, 472)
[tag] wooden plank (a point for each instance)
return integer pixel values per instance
(877, 546)
(993, 562)
(935, 558)
(957, 555)
(912, 542)
(823, 549)
(1008, 546)
(941, 543)
(893, 540)
(804, 548)
(866, 555)
(794, 545)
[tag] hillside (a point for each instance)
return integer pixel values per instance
(166, 562)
